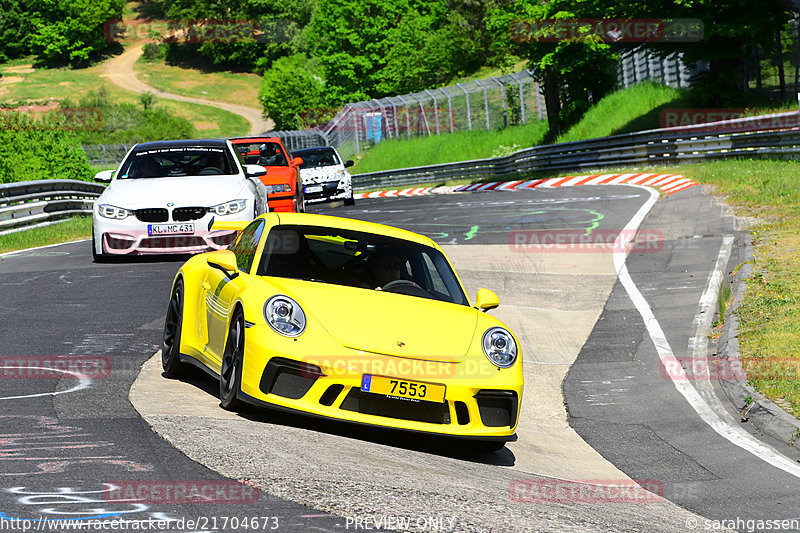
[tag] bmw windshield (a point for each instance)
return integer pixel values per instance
(177, 162)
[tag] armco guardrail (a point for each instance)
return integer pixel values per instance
(775, 135)
(28, 204)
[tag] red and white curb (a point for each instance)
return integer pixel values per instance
(665, 183)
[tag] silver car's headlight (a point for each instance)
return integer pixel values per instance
(110, 211)
(229, 208)
(500, 347)
(279, 187)
(285, 316)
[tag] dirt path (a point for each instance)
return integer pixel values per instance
(119, 70)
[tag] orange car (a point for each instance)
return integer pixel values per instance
(283, 176)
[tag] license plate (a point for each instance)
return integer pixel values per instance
(170, 229)
(403, 388)
(314, 188)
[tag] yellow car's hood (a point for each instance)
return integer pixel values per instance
(385, 322)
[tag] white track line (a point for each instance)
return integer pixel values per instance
(15, 252)
(731, 432)
(83, 382)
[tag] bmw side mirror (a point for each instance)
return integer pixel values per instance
(104, 176)
(254, 171)
(348, 163)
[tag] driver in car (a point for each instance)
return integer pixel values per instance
(386, 267)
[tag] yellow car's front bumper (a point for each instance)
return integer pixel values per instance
(481, 401)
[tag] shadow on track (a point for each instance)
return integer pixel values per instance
(451, 447)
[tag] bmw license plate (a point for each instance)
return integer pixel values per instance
(313, 188)
(170, 229)
(403, 388)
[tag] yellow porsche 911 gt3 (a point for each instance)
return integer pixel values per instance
(348, 320)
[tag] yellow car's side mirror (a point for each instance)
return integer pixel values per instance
(486, 300)
(224, 260)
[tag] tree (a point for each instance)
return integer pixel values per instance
(569, 70)
(70, 32)
(292, 91)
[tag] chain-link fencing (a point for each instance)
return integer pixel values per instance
(488, 104)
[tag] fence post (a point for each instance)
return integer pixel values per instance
(469, 112)
(502, 99)
(355, 131)
(424, 118)
(435, 109)
(521, 101)
(449, 109)
(539, 100)
(408, 118)
(485, 103)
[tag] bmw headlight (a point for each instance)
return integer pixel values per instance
(279, 187)
(285, 316)
(500, 347)
(229, 208)
(110, 211)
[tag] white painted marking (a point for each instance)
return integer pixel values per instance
(15, 252)
(619, 179)
(729, 431)
(83, 383)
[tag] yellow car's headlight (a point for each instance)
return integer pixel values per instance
(500, 347)
(285, 316)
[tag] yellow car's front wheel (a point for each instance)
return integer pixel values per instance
(230, 375)
(171, 344)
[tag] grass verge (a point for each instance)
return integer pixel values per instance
(231, 87)
(21, 82)
(450, 147)
(634, 109)
(72, 229)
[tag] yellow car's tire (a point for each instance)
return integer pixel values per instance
(171, 343)
(230, 376)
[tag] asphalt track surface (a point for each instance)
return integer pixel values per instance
(61, 447)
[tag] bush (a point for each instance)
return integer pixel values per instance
(291, 92)
(127, 123)
(29, 152)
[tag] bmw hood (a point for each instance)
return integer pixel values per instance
(385, 322)
(186, 191)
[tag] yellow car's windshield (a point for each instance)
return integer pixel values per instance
(358, 259)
